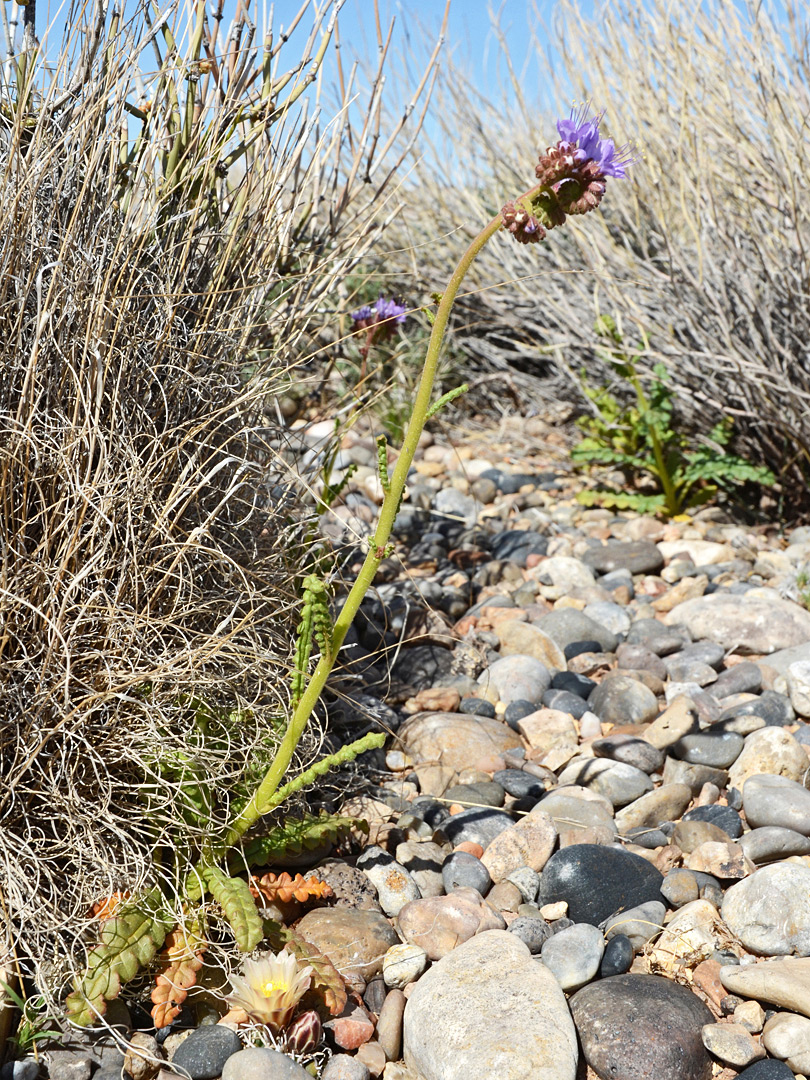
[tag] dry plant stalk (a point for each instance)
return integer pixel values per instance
(175, 214)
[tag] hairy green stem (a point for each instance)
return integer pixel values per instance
(263, 799)
(264, 794)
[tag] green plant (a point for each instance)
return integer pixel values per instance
(572, 178)
(32, 1027)
(643, 438)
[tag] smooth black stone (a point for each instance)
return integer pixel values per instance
(480, 825)
(580, 685)
(566, 702)
(744, 678)
(640, 1026)
(722, 816)
(204, 1053)
(637, 556)
(516, 710)
(769, 1069)
(472, 706)
(463, 870)
(519, 783)
(598, 881)
(617, 957)
(532, 932)
(578, 647)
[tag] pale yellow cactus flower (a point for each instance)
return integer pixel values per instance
(271, 988)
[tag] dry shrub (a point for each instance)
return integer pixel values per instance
(174, 215)
(705, 247)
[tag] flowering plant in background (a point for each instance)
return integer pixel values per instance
(379, 320)
(271, 988)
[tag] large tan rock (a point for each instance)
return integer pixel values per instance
(489, 1010)
(455, 740)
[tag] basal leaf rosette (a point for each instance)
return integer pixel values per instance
(270, 988)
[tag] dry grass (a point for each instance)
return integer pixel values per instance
(175, 217)
(706, 247)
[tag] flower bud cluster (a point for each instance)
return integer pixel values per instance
(572, 177)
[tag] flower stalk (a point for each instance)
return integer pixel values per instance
(571, 180)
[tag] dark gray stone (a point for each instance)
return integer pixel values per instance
(476, 707)
(479, 824)
(660, 639)
(580, 685)
(532, 932)
(520, 784)
(744, 678)
(618, 956)
(640, 658)
(637, 556)
(630, 751)
(517, 544)
(722, 816)
(647, 838)
(482, 791)
(516, 710)
(680, 887)
(620, 699)
(770, 1069)
(204, 1053)
(25, 1069)
(463, 870)
(598, 881)
(718, 749)
(633, 1027)
(706, 652)
(775, 709)
(565, 701)
(576, 648)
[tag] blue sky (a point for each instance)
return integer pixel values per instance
(470, 35)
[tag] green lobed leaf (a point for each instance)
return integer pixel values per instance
(238, 906)
(621, 500)
(296, 835)
(127, 942)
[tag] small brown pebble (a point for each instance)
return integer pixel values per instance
(373, 1057)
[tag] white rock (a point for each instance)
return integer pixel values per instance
(403, 964)
(787, 1036)
(489, 1009)
(798, 686)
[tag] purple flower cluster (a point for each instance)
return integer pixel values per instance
(581, 132)
(392, 312)
(572, 177)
